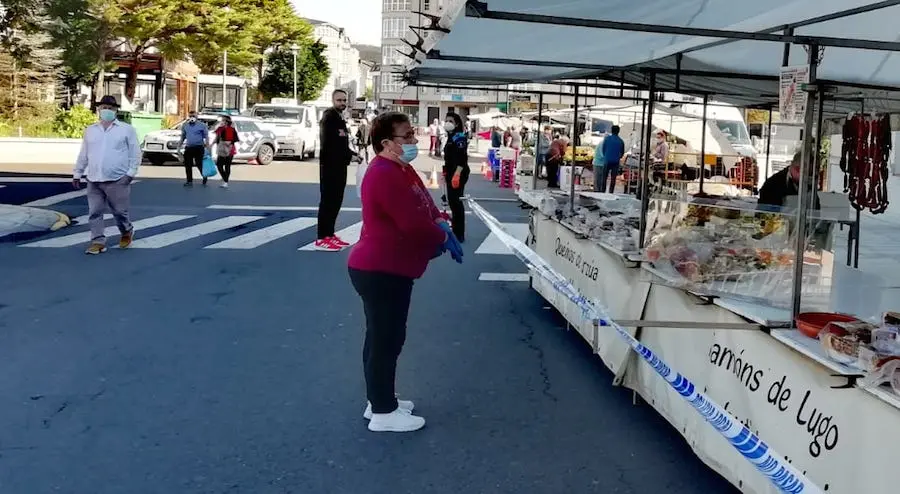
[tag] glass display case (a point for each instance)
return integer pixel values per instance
(735, 248)
(609, 219)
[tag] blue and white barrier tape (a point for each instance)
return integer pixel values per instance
(772, 465)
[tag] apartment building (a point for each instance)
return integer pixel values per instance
(343, 59)
(423, 105)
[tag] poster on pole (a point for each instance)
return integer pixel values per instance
(791, 96)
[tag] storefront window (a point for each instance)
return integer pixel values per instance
(390, 84)
(170, 101)
(395, 5)
(390, 55)
(410, 110)
(394, 27)
(211, 98)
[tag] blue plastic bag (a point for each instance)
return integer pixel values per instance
(209, 166)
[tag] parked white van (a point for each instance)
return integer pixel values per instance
(295, 126)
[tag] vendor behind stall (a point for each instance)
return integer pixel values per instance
(782, 188)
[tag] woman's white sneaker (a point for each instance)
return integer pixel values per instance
(397, 421)
(402, 404)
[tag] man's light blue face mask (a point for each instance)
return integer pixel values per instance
(107, 114)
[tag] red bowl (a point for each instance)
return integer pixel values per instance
(812, 323)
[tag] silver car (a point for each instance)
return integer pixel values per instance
(161, 147)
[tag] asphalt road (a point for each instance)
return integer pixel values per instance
(176, 368)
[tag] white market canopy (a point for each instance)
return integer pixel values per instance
(533, 48)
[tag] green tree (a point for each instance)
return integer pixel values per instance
(226, 28)
(312, 73)
(278, 27)
(247, 30)
(20, 20)
(78, 29)
(278, 79)
(167, 25)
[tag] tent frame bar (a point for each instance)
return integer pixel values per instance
(636, 99)
(477, 9)
(437, 55)
(789, 28)
(633, 87)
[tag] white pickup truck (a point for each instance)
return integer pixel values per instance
(295, 126)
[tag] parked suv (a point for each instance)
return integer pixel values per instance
(161, 146)
(295, 127)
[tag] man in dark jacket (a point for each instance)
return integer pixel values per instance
(334, 158)
(780, 188)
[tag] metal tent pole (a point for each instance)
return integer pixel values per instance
(806, 161)
(703, 142)
(856, 226)
(537, 144)
(818, 145)
(768, 144)
(575, 140)
(643, 124)
(645, 168)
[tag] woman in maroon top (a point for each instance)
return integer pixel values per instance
(402, 231)
(226, 137)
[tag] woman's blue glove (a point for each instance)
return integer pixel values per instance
(452, 244)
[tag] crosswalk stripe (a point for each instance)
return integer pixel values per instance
(85, 237)
(349, 235)
(81, 220)
(493, 245)
(265, 235)
(173, 237)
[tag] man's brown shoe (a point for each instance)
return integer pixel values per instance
(126, 239)
(95, 249)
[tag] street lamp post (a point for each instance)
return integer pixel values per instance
(224, 85)
(294, 50)
(226, 9)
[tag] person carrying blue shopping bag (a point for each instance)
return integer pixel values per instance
(195, 139)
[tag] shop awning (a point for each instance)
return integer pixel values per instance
(491, 51)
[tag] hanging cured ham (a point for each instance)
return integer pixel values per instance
(864, 161)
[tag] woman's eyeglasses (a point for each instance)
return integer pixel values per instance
(409, 135)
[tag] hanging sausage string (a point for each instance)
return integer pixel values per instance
(865, 160)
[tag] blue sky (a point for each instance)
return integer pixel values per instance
(361, 18)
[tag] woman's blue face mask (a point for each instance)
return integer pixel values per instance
(410, 151)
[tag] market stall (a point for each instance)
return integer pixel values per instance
(716, 285)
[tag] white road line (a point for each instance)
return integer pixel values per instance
(85, 237)
(349, 235)
(503, 277)
(250, 207)
(36, 179)
(81, 220)
(271, 208)
(493, 245)
(173, 237)
(58, 198)
(265, 235)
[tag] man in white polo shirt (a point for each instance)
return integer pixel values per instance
(109, 160)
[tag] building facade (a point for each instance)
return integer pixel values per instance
(423, 105)
(343, 59)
